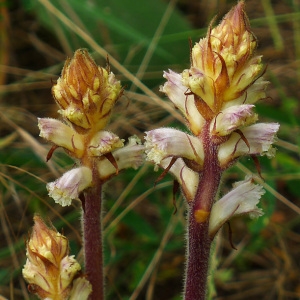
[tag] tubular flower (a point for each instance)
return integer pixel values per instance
(49, 269)
(217, 97)
(165, 141)
(86, 94)
(186, 177)
(62, 135)
(241, 200)
(130, 156)
(70, 185)
(81, 289)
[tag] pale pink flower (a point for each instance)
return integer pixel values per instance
(241, 200)
(70, 185)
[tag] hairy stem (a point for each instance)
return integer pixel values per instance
(92, 230)
(199, 242)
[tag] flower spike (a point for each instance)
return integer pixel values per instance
(217, 97)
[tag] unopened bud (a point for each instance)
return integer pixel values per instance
(49, 269)
(85, 92)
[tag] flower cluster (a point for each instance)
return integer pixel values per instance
(216, 95)
(86, 94)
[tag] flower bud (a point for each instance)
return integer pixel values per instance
(85, 92)
(223, 64)
(48, 269)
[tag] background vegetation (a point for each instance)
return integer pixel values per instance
(144, 241)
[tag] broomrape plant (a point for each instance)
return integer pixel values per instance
(85, 94)
(216, 95)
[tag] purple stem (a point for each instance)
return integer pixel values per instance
(199, 242)
(92, 230)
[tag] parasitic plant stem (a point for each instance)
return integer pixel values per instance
(199, 240)
(198, 255)
(92, 232)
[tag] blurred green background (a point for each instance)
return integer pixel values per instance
(144, 241)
